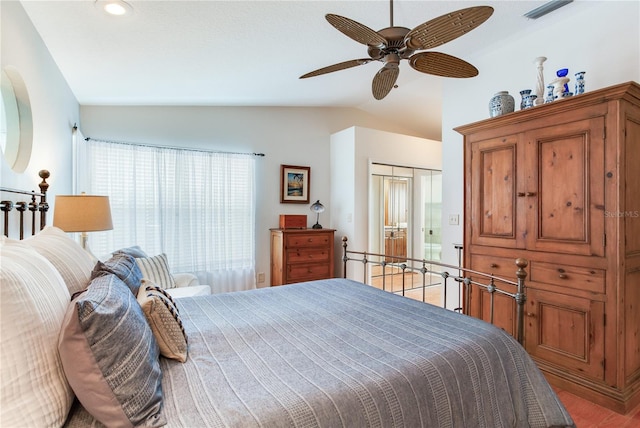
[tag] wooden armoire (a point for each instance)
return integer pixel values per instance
(559, 184)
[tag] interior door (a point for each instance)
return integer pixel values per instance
(406, 212)
(427, 194)
(397, 210)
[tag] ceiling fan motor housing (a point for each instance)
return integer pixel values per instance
(395, 43)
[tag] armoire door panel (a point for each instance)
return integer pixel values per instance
(567, 331)
(566, 188)
(495, 204)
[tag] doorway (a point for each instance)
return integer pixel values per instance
(405, 215)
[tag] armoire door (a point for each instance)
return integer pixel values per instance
(564, 191)
(497, 213)
(566, 331)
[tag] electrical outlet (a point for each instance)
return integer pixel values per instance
(454, 219)
(260, 277)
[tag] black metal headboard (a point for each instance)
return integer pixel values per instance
(37, 208)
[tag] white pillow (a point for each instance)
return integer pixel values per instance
(33, 302)
(68, 257)
(156, 270)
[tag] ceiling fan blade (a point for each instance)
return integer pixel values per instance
(440, 64)
(445, 28)
(336, 67)
(384, 80)
(358, 32)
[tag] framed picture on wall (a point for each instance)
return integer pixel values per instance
(294, 184)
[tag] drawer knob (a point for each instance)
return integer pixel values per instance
(521, 194)
(531, 314)
(562, 276)
(531, 193)
(493, 265)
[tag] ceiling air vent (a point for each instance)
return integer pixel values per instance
(546, 8)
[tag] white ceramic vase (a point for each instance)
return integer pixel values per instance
(539, 79)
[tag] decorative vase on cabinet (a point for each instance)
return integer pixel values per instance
(523, 94)
(501, 103)
(579, 82)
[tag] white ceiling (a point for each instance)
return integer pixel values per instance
(251, 53)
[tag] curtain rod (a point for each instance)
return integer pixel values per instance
(175, 147)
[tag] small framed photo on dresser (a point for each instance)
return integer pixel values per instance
(294, 184)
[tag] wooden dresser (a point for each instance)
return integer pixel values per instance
(299, 255)
(559, 184)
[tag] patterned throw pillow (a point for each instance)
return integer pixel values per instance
(156, 270)
(164, 319)
(110, 356)
(124, 267)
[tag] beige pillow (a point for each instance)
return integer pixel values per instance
(156, 270)
(33, 300)
(66, 255)
(162, 315)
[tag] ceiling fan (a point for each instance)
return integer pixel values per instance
(392, 44)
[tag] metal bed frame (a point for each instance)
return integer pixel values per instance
(464, 278)
(37, 208)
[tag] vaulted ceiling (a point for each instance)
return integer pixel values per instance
(251, 53)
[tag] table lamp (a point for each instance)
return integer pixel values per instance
(317, 208)
(82, 213)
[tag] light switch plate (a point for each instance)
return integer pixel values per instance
(454, 219)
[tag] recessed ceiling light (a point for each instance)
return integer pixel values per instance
(114, 7)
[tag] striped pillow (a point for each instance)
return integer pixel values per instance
(33, 389)
(66, 255)
(110, 356)
(156, 270)
(164, 319)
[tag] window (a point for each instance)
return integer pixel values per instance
(198, 207)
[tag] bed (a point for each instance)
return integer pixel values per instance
(329, 353)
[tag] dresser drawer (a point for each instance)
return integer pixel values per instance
(299, 240)
(582, 278)
(307, 272)
(307, 255)
(503, 267)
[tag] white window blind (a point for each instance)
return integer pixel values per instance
(198, 207)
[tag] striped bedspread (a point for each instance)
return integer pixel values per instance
(337, 353)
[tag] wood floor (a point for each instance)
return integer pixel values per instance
(585, 414)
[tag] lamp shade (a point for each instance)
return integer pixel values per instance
(82, 213)
(317, 207)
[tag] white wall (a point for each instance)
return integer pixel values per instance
(54, 107)
(352, 152)
(570, 38)
(290, 136)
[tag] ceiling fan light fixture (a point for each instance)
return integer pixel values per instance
(546, 8)
(114, 7)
